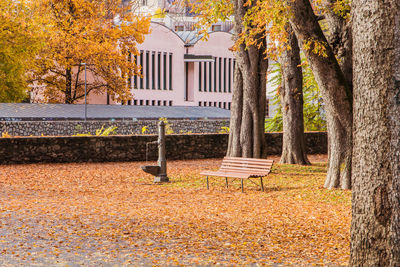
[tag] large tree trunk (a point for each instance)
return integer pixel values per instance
(375, 228)
(291, 96)
(246, 138)
(335, 91)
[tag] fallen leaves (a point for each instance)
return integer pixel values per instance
(112, 213)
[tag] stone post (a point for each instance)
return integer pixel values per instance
(162, 161)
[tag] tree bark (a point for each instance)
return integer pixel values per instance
(375, 228)
(335, 91)
(68, 86)
(246, 138)
(291, 96)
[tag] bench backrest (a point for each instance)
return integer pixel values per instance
(246, 165)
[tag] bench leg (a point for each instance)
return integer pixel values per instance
(262, 185)
(226, 180)
(207, 182)
(242, 184)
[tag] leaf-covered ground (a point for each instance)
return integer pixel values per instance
(106, 214)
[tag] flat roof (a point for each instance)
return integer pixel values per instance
(48, 112)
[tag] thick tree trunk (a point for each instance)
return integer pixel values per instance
(375, 229)
(335, 91)
(291, 96)
(246, 138)
(68, 86)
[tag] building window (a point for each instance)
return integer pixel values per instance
(219, 104)
(141, 102)
(215, 75)
(153, 71)
(210, 104)
(224, 75)
(215, 104)
(205, 77)
(229, 74)
(209, 76)
(153, 102)
(219, 75)
(141, 65)
(165, 103)
(229, 105)
(147, 70)
(200, 77)
(159, 103)
(224, 105)
(205, 103)
(216, 28)
(135, 85)
(129, 102)
(170, 103)
(147, 102)
(179, 28)
(199, 103)
(170, 71)
(144, 2)
(159, 71)
(135, 102)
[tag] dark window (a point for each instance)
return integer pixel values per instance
(153, 71)
(165, 102)
(219, 104)
(170, 71)
(147, 102)
(153, 102)
(219, 74)
(165, 71)
(229, 105)
(210, 104)
(179, 28)
(159, 71)
(147, 70)
(215, 104)
(234, 66)
(229, 74)
(215, 75)
(200, 76)
(129, 102)
(205, 77)
(224, 74)
(170, 103)
(159, 103)
(199, 103)
(141, 102)
(205, 103)
(210, 76)
(216, 28)
(224, 105)
(135, 85)
(142, 69)
(135, 102)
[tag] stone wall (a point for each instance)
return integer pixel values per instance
(131, 148)
(69, 128)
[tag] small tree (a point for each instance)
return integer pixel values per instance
(102, 34)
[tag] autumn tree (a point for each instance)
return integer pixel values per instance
(19, 41)
(291, 99)
(101, 34)
(375, 229)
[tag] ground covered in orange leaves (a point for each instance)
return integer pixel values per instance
(106, 214)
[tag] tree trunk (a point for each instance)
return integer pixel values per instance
(291, 96)
(246, 138)
(375, 228)
(335, 91)
(68, 86)
(341, 41)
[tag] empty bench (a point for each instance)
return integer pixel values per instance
(242, 168)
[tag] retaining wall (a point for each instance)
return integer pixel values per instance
(69, 128)
(132, 148)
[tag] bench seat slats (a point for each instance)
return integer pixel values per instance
(241, 168)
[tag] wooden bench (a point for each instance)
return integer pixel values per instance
(242, 168)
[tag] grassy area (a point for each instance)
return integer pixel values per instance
(112, 213)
